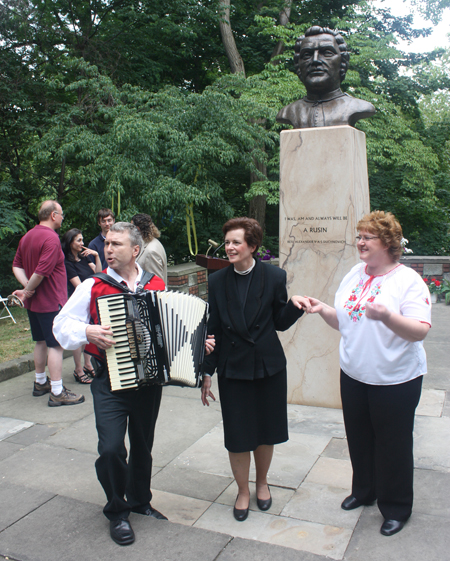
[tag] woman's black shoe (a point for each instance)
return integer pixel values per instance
(264, 504)
(391, 527)
(240, 514)
(351, 503)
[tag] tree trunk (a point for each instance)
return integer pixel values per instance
(257, 207)
(285, 14)
(234, 58)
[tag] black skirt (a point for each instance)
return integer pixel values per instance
(254, 412)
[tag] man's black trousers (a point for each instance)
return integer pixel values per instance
(126, 484)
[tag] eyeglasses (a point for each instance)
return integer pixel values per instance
(366, 238)
(61, 213)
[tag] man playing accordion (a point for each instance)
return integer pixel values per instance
(126, 485)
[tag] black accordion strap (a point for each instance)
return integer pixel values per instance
(146, 277)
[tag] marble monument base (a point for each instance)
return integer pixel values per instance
(324, 192)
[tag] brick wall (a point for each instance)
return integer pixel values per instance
(188, 278)
(435, 267)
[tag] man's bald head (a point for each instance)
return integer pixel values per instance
(46, 209)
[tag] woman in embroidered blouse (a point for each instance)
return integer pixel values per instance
(383, 312)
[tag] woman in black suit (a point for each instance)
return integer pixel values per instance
(248, 305)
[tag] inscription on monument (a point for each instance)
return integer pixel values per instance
(303, 232)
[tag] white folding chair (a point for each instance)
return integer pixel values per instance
(8, 313)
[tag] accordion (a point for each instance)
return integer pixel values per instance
(159, 338)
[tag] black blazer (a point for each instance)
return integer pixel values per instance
(244, 334)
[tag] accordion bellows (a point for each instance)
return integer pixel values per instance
(159, 338)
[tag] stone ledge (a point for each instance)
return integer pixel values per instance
(21, 365)
(183, 269)
(426, 260)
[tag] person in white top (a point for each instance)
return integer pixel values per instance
(383, 311)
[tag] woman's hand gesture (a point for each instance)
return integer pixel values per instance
(302, 302)
(206, 390)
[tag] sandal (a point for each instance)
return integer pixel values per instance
(82, 379)
(88, 372)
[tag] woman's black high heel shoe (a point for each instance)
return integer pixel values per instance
(240, 514)
(264, 504)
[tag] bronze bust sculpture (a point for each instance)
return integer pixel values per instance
(321, 61)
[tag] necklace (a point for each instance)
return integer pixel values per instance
(247, 271)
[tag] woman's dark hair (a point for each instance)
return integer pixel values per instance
(146, 227)
(387, 228)
(253, 233)
(67, 239)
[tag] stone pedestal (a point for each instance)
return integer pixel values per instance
(324, 192)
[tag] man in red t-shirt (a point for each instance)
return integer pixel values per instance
(126, 484)
(39, 267)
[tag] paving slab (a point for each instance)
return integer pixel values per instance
(66, 530)
(278, 530)
(431, 443)
(329, 471)
(8, 449)
(190, 483)
(181, 422)
(321, 503)
(36, 433)
(432, 493)
(424, 538)
(178, 508)
(337, 448)
(207, 455)
(57, 470)
(316, 420)
(293, 459)
(431, 403)
(446, 407)
(437, 346)
(17, 501)
(248, 550)
(80, 435)
(9, 427)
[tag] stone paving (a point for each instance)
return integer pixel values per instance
(51, 500)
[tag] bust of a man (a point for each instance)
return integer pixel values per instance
(321, 61)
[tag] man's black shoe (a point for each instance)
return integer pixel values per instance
(351, 503)
(150, 511)
(391, 527)
(121, 531)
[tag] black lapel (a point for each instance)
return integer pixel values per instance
(235, 310)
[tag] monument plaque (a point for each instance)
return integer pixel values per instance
(324, 192)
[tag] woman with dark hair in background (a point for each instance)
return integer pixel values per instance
(152, 257)
(248, 305)
(383, 312)
(79, 267)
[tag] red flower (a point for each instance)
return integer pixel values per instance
(425, 280)
(437, 283)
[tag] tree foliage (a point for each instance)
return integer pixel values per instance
(118, 100)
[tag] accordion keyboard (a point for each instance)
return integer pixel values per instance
(120, 357)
